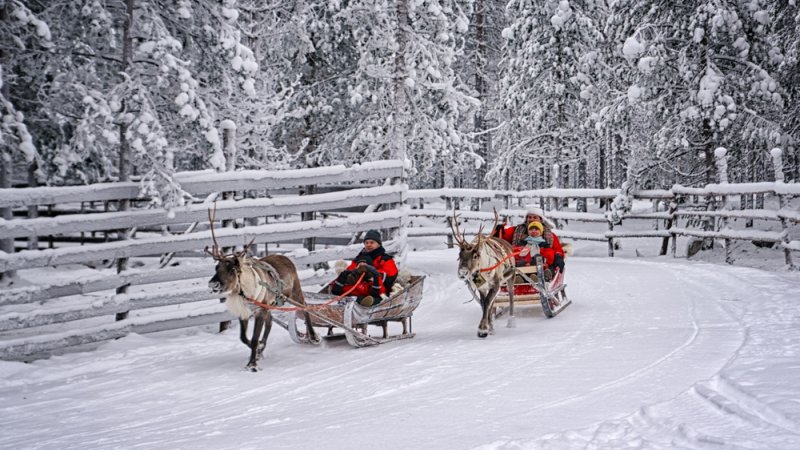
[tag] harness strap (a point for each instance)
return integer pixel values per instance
(276, 288)
(307, 307)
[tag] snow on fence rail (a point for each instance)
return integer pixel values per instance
(201, 183)
(37, 320)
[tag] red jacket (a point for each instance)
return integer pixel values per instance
(549, 253)
(386, 268)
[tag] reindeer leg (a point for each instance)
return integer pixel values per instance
(310, 332)
(483, 326)
(243, 332)
(491, 296)
(267, 329)
(297, 294)
(487, 321)
(258, 325)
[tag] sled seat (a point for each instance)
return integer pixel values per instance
(524, 292)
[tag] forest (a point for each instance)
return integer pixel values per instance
(517, 94)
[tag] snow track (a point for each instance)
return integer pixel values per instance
(650, 354)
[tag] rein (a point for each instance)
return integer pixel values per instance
(507, 257)
(307, 307)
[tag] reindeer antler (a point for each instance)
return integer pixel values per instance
(215, 252)
(457, 234)
(496, 219)
(247, 247)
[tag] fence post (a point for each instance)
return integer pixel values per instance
(777, 163)
(448, 205)
(721, 160)
(554, 200)
(450, 234)
(610, 239)
(673, 205)
(308, 243)
(33, 210)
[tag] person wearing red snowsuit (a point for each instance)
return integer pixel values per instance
(551, 250)
(378, 267)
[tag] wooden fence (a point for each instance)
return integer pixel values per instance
(678, 203)
(67, 307)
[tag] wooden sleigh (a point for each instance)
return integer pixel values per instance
(530, 286)
(353, 319)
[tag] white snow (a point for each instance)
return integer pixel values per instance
(632, 48)
(654, 353)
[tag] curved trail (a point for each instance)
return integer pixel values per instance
(649, 353)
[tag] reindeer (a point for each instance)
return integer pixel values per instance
(267, 280)
(474, 258)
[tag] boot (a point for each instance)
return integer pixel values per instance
(548, 275)
(367, 301)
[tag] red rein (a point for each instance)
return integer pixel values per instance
(510, 255)
(297, 308)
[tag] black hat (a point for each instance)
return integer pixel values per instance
(373, 235)
(363, 257)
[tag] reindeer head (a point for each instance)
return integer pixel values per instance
(229, 266)
(469, 254)
(226, 275)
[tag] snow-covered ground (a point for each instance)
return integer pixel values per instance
(653, 353)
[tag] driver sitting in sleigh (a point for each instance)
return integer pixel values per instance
(378, 268)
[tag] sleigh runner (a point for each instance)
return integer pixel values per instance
(353, 319)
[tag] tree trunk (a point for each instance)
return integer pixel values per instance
(400, 99)
(581, 184)
(481, 92)
(6, 160)
(124, 148)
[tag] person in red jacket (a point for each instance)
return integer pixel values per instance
(550, 249)
(378, 267)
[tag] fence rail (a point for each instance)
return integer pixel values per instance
(201, 183)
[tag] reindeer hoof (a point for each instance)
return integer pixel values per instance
(482, 334)
(252, 368)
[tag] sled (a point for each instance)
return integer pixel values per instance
(350, 317)
(529, 287)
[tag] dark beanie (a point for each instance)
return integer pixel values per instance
(363, 257)
(373, 235)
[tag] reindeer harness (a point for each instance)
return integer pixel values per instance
(275, 288)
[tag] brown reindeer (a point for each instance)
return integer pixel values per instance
(269, 280)
(473, 259)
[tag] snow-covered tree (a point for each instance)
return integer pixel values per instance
(706, 73)
(547, 88)
(479, 70)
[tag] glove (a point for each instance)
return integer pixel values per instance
(544, 244)
(371, 270)
(348, 277)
